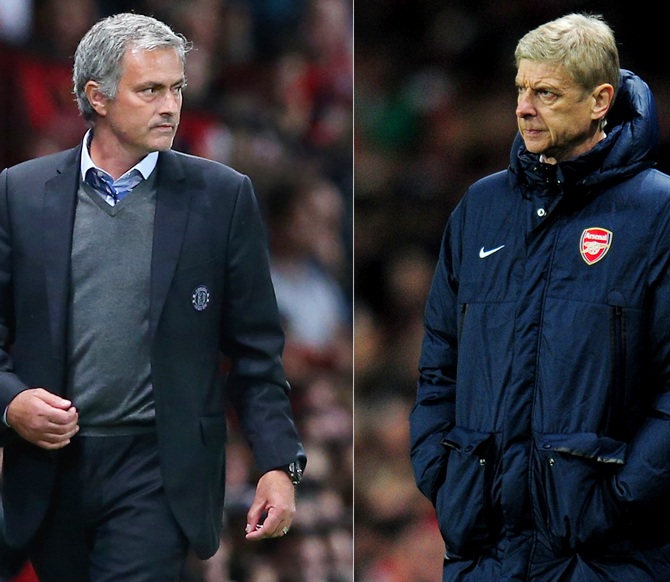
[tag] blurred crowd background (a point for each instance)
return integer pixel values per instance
(434, 103)
(270, 94)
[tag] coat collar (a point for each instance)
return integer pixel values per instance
(60, 196)
(173, 198)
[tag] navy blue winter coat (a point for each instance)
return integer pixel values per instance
(541, 429)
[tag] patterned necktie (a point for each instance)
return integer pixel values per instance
(104, 183)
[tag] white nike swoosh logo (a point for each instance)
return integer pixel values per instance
(483, 254)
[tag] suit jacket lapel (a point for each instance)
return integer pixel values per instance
(60, 196)
(172, 206)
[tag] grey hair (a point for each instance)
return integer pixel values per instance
(583, 44)
(100, 52)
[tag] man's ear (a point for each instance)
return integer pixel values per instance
(98, 101)
(603, 96)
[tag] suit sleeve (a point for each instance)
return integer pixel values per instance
(253, 338)
(434, 410)
(10, 385)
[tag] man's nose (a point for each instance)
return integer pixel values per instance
(171, 102)
(524, 105)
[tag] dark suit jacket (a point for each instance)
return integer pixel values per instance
(208, 232)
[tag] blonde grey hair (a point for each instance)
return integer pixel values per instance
(583, 44)
(100, 52)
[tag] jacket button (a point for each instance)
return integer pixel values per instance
(541, 212)
(546, 446)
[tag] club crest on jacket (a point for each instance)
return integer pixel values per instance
(200, 298)
(594, 244)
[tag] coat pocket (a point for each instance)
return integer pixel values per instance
(573, 476)
(463, 502)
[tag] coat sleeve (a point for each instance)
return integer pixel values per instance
(433, 413)
(644, 480)
(253, 338)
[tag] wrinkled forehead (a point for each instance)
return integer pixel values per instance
(541, 74)
(160, 61)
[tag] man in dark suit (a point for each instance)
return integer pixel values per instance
(131, 276)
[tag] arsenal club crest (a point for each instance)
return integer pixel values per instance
(594, 244)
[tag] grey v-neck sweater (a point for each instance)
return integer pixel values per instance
(109, 363)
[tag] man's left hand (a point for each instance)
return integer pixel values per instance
(275, 496)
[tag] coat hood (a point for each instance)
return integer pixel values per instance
(630, 146)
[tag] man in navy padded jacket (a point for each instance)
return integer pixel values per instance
(541, 428)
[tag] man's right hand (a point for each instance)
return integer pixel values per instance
(43, 418)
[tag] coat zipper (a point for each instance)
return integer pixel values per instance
(464, 310)
(618, 381)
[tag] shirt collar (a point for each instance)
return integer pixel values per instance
(145, 166)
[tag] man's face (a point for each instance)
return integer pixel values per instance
(556, 116)
(144, 115)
